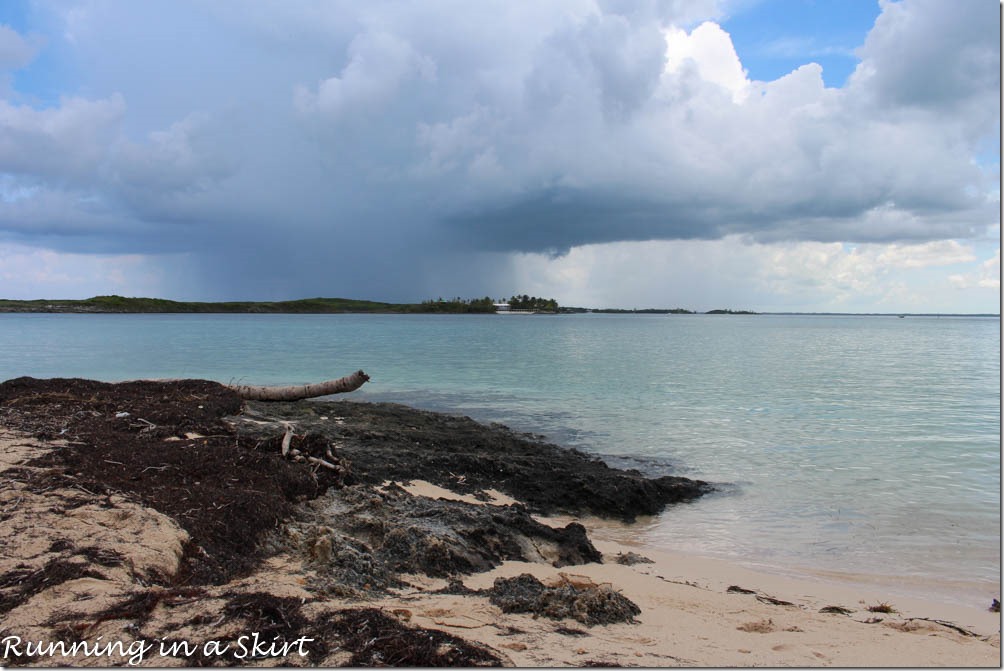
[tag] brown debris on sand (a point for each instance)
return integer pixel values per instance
(881, 608)
(376, 639)
(21, 584)
(631, 558)
(165, 446)
(189, 459)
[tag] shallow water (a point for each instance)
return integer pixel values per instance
(849, 444)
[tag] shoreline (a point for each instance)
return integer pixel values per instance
(112, 540)
(958, 596)
(973, 594)
(613, 537)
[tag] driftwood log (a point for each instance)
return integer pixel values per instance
(298, 392)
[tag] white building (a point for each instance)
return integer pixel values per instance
(505, 309)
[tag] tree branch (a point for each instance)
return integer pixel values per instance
(298, 392)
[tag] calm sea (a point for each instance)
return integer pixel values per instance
(861, 445)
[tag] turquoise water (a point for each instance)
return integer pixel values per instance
(851, 444)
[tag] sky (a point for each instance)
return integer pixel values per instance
(773, 155)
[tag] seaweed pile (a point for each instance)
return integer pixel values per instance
(166, 446)
(212, 467)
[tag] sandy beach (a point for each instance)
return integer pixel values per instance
(691, 618)
(103, 568)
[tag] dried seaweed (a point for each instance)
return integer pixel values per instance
(945, 623)
(376, 639)
(631, 558)
(736, 589)
(101, 556)
(881, 608)
(226, 494)
(26, 583)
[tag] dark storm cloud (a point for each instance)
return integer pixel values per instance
(549, 220)
(302, 148)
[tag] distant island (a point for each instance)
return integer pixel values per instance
(620, 311)
(123, 305)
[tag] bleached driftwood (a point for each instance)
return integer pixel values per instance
(322, 462)
(299, 392)
(287, 439)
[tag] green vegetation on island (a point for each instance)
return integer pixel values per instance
(458, 306)
(486, 305)
(525, 302)
(121, 304)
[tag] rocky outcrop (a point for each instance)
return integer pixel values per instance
(385, 441)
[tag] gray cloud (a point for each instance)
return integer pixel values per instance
(16, 50)
(372, 149)
(929, 55)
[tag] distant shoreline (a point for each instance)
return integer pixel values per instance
(138, 305)
(882, 314)
(123, 305)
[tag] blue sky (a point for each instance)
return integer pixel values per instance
(772, 155)
(774, 37)
(41, 81)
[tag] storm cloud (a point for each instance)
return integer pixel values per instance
(366, 149)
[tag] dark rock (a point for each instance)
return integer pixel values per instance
(364, 538)
(467, 457)
(591, 605)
